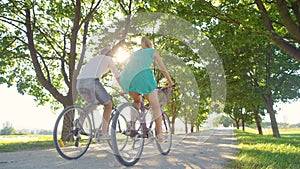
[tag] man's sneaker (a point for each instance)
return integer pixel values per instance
(76, 123)
(162, 139)
(103, 137)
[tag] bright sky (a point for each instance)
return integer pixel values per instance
(21, 111)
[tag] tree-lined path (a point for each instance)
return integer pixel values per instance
(207, 149)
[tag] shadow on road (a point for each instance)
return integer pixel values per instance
(211, 149)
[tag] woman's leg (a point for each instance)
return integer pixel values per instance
(136, 99)
(154, 103)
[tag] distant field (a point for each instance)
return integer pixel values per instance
(10, 143)
(266, 151)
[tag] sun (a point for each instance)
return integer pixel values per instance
(122, 55)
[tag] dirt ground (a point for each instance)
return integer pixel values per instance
(212, 149)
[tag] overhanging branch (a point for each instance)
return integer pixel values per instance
(33, 53)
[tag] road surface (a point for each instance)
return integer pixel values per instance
(211, 149)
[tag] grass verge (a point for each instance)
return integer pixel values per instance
(11, 143)
(268, 152)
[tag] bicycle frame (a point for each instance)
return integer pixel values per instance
(88, 110)
(144, 111)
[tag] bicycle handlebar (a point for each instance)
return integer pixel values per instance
(160, 88)
(173, 86)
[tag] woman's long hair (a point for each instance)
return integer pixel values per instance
(146, 43)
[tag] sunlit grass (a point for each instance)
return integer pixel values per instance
(266, 151)
(25, 142)
(269, 131)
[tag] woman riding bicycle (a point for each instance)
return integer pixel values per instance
(138, 79)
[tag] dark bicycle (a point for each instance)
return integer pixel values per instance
(129, 130)
(75, 128)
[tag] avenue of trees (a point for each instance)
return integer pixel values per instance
(42, 45)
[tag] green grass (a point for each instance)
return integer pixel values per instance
(11, 143)
(268, 152)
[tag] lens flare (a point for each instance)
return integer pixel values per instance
(122, 55)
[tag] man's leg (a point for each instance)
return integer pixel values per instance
(106, 116)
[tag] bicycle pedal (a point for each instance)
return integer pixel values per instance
(77, 142)
(98, 141)
(61, 143)
(133, 133)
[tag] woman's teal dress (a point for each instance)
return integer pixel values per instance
(137, 75)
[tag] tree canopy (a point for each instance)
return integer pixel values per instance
(43, 45)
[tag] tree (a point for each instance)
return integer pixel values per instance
(44, 43)
(282, 21)
(279, 19)
(237, 18)
(44, 38)
(245, 51)
(8, 130)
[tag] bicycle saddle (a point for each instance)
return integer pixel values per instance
(86, 94)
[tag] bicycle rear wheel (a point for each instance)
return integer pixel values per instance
(71, 137)
(164, 147)
(127, 135)
(109, 128)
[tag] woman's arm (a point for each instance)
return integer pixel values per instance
(163, 68)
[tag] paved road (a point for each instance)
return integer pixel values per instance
(212, 149)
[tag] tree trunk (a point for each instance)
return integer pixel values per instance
(243, 125)
(67, 124)
(267, 97)
(173, 124)
(186, 127)
(192, 126)
(67, 121)
(237, 124)
(257, 120)
(269, 103)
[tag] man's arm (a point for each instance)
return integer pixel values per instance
(114, 70)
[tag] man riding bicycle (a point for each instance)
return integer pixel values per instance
(89, 78)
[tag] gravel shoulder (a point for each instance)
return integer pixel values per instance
(211, 149)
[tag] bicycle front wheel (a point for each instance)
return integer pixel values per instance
(127, 135)
(72, 136)
(164, 146)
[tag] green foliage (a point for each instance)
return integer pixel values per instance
(52, 24)
(257, 151)
(234, 28)
(8, 130)
(224, 120)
